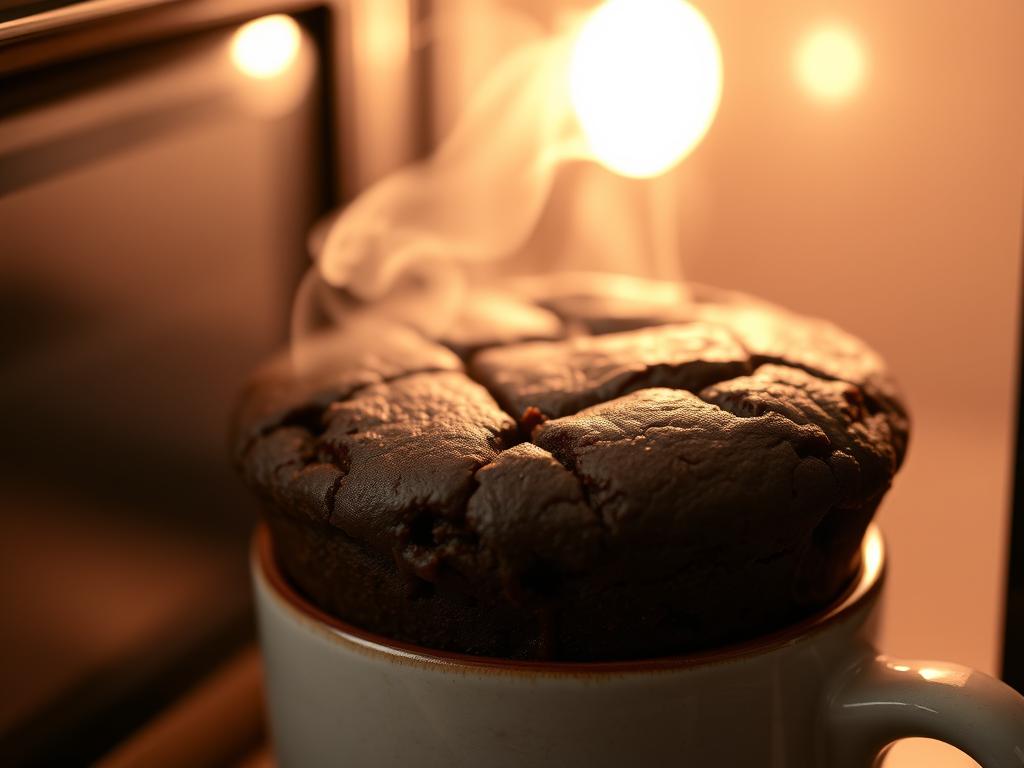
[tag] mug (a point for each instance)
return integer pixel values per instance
(815, 693)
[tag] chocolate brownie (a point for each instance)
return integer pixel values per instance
(691, 473)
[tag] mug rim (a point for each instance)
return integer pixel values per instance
(863, 587)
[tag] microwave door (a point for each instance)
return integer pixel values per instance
(153, 210)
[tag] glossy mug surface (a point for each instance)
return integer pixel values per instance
(813, 694)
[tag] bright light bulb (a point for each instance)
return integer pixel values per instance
(830, 63)
(645, 81)
(266, 47)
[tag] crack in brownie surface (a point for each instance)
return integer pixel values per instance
(413, 444)
(561, 377)
(684, 485)
(296, 389)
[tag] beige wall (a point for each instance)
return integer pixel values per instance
(898, 215)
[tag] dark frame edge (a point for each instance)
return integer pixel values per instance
(1013, 620)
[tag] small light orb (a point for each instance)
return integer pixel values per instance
(645, 80)
(830, 64)
(266, 47)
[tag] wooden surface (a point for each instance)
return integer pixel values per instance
(219, 723)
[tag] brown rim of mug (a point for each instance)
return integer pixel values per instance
(866, 583)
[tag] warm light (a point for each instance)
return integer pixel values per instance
(645, 82)
(266, 47)
(873, 554)
(949, 674)
(830, 63)
(954, 676)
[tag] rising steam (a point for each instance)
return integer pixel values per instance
(405, 248)
(477, 199)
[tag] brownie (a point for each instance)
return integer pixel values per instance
(693, 472)
(560, 378)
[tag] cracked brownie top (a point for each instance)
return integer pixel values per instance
(702, 472)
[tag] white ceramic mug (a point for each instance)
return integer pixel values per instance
(813, 694)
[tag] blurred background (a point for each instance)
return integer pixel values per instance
(161, 162)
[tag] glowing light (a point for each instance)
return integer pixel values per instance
(645, 81)
(954, 676)
(266, 47)
(830, 63)
(901, 667)
(873, 553)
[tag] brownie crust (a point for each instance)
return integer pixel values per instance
(543, 483)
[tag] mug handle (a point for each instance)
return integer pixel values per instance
(880, 699)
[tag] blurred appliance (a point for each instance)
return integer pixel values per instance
(156, 187)
(1013, 636)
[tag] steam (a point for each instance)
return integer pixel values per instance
(644, 79)
(404, 246)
